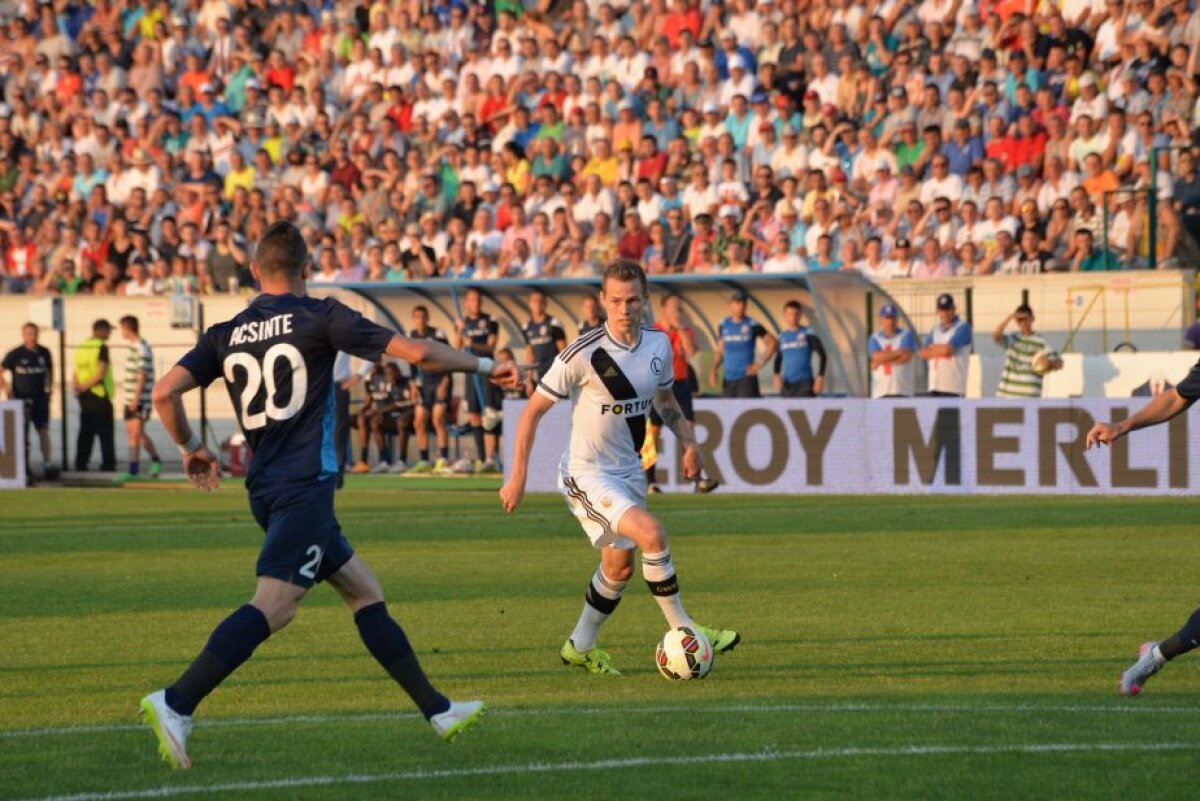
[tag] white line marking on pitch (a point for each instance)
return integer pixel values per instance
(750, 709)
(609, 764)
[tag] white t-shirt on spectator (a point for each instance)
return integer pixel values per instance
(826, 88)
(950, 187)
(788, 263)
(629, 72)
(731, 89)
(1096, 108)
(650, 211)
(789, 163)
(700, 201)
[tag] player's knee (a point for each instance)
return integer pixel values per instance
(623, 572)
(277, 613)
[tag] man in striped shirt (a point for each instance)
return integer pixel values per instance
(139, 383)
(1027, 357)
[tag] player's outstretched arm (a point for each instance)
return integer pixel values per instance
(439, 358)
(199, 464)
(672, 416)
(1159, 410)
(513, 491)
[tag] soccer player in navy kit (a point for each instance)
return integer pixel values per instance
(477, 332)
(544, 338)
(433, 400)
(1166, 405)
(735, 349)
(590, 314)
(277, 361)
(793, 362)
(32, 369)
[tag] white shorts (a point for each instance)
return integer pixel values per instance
(599, 501)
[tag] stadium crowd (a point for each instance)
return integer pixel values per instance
(145, 145)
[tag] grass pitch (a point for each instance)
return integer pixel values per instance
(894, 648)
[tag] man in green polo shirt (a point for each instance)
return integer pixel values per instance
(93, 385)
(1087, 258)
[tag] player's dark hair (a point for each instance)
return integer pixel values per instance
(1024, 308)
(505, 352)
(793, 304)
(422, 309)
(625, 270)
(130, 322)
(32, 325)
(281, 251)
(101, 325)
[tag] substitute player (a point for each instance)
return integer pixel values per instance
(477, 332)
(544, 339)
(139, 384)
(277, 360)
(433, 400)
(735, 349)
(32, 369)
(394, 417)
(1163, 407)
(794, 374)
(613, 375)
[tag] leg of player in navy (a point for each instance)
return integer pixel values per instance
(1154, 654)
(276, 358)
(433, 401)
(615, 374)
(477, 333)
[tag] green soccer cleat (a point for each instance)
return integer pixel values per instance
(122, 478)
(722, 640)
(420, 468)
(155, 469)
(441, 467)
(595, 661)
(461, 716)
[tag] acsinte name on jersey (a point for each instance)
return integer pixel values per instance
(260, 330)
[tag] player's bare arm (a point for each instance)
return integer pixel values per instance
(1159, 410)
(431, 355)
(669, 410)
(772, 344)
(513, 491)
(199, 464)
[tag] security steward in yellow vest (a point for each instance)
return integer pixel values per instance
(93, 385)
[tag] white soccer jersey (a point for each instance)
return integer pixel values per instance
(611, 387)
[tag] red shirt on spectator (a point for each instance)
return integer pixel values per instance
(347, 175)
(98, 252)
(1004, 150)
(68, 86)
(401, 115)
(284, 77)
(195, 80)
(633, 245)
(653, 167)
(19, 259)
(556, 99)
(1028, 150)
(675, 24)
(492, 106)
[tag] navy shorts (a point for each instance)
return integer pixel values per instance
(429, 391)
(304, 543)
(37, 411)
(491, 394)
(744, 387)
(797, 389)
(683, 393)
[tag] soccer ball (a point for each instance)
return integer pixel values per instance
(1041, 363)
(683, 653)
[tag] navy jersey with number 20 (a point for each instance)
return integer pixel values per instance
(277, 361)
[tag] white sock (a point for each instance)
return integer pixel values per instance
(603, 595)
(1158, 656)
(660, 577)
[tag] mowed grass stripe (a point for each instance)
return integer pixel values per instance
(712, 759)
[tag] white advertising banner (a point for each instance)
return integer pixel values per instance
(903, 446)
(12, 445)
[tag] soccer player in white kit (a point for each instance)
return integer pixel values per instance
(612, 375)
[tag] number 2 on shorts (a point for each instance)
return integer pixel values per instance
(309, 570)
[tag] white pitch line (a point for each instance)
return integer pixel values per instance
(609, 764)
(748, 709)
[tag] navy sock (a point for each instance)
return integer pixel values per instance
(424, 454)
(477, 435)
(388, 644)
(133, 468)
(1186, 639)
(444, 452)
(231, 643)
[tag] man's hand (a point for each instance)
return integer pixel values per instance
(202, 469)
(693, 463)
(712, 377)
(818, 385)
(512, 493)
(752, 368)
(506, 375)
(1102, 434)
